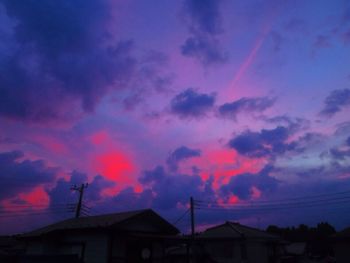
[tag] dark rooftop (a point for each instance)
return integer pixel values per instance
(236, 230)
(100, 221)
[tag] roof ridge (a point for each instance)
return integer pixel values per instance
(255, 229)
(231, 224)
(116, 213)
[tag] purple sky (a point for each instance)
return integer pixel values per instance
(231, 102)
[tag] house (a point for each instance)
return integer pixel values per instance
(233, 242)
(341, 246)
(135, 236)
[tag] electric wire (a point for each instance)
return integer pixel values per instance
(181, 217)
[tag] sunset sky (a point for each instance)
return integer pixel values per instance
(151, 102)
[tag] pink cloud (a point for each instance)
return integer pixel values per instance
(99, 137)
(52, 144)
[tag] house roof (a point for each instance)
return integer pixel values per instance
(233, 230)
(105, 221)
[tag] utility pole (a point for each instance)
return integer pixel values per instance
(81, 193)
(192, 216)
(192, 244)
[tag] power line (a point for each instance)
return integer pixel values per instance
(181, 217)
(33, 214)
(33, 205)
(271, 205)
(256, 209)
(285, 199)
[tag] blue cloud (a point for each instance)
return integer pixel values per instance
(191, 104)
(204, 23)
(21, 176)
(60, 56)
(204, 49)
(180, 154)
(93, 192)
(169, 189)
(336, 101)
(266, 143)
(241, 185)
(231, 110)
(204, 15)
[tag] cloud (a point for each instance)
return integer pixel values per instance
(342, 152)
(204, 23)
(242, 185)
(180, 154)
(231, 110)
(58, 62)
(336, 101)
(22, 176)
(204, 49)
(266, 143)
(152, 77)
(93, 193)
(182, 186)
(204, 15)
(294, 124)
(191, 104)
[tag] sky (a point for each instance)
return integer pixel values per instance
(236, 103)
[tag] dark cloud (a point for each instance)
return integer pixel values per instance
(241, 185)
(191, 104)
(22, 176)
(339, 154)
(60, 59)
(262, 144)
(342, 152)
(308, 140)
(169, 189)
(231, 110)
(180, 154)
(204, 49)
(204, 23)
(151, 77)
(204, 15)
(293, 124)
(336, 101)
(62, 189)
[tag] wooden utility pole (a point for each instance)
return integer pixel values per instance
(192, 217)
(81, 193)
(193, 231)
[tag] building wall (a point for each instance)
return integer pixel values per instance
(224, 251)
(257, 252)
(91, 247)
(136, 249)
(238, 252)
(35, 248)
